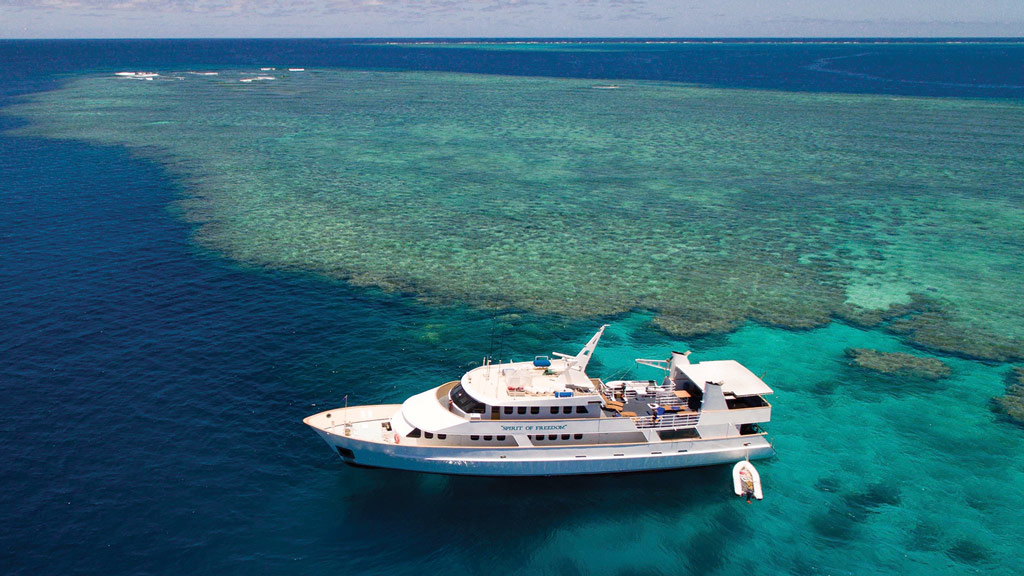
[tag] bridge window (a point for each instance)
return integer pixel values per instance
(415, 433)
(508, 409)
(567, 410)
(465, 402)
(521, 410)
(581, 410)
(428, 434)
(534, 409)
(554, 409)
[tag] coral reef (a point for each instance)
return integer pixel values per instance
(929, 324)
(1011, 404)
(706, 208)
(898, 363)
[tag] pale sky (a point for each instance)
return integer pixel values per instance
(507, 18)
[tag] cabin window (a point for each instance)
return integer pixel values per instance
(501, 438)
(415, 433)
(508, 409)
(581, 409)
(577, 436)
(488, 438)
(554, 409)
(552, 436)
(474, 437)
(521, 410)
(428, 434)
(565, 436)
(465, 402)
(534, 410)
(567, 410)
(442, 436)
(538, 437)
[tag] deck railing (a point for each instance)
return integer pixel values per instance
(666, 421)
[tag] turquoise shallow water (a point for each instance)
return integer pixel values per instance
(191, 267)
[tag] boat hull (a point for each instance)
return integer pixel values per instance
(549, 461)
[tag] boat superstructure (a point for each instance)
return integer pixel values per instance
(546, 416)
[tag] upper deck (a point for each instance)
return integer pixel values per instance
(540, 381)
(527, 383)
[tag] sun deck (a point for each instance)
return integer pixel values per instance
(521, 381)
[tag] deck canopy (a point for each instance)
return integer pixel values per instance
(733, 376)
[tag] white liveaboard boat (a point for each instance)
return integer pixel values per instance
(546, 417)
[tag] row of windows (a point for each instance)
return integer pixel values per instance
(416, 433)
(474, 437)
(540, 437)
(554, 410)
(500, 438)
(533, 437)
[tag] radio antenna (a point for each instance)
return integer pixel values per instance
(490, 345)
(501, 343)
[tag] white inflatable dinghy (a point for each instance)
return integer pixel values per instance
(746, 481)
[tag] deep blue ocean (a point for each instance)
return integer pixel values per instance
(152, 391)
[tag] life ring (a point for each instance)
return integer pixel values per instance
(396, 438)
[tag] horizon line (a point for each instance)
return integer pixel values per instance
(609, 39)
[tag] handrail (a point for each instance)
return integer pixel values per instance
(734, 410)
(666, 421)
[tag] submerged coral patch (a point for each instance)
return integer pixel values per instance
(969, 551)
(705, 207)
(899, 363)
(1011, 404)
